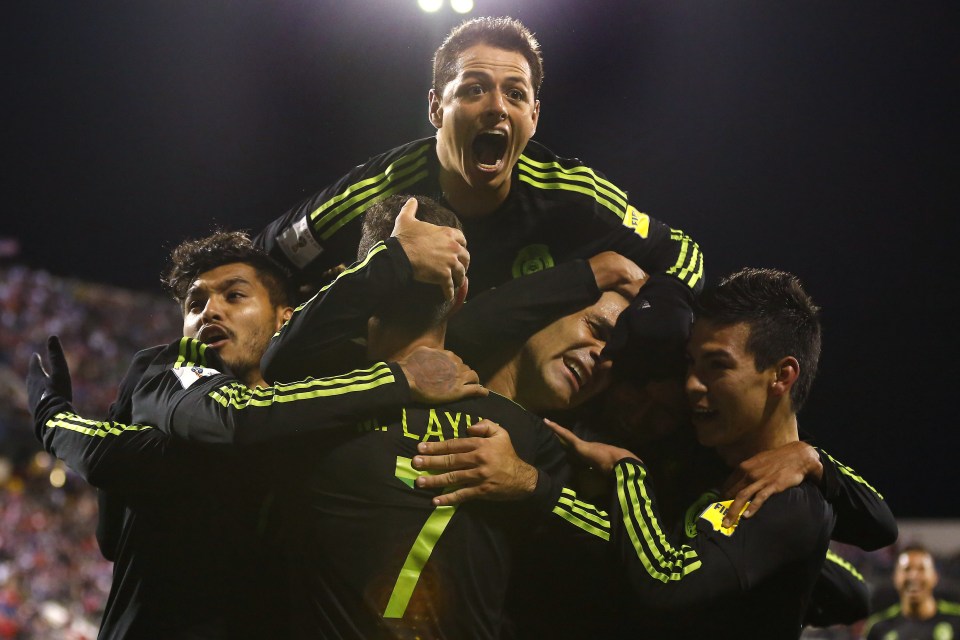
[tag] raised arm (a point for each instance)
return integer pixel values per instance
(108, 454)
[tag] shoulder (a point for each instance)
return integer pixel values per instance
(798, 516)
(949, 609)
(407, 156)
(543, 170)
(187, 359)
(881, 619)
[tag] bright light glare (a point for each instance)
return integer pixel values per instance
(462, 6)
(58, 477)
(430, 6)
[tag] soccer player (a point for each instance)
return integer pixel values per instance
(524, 208)
(686, 474)
(753, 354)
(373, 555)
(187, 516)
(919, 615)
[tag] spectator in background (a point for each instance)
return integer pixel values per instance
(918, 615)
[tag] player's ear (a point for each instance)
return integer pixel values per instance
(535, 116)
(787, 371)
(435, 109)
(283, 314)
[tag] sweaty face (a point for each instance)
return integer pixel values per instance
(727, 395)
(559, 367)
(915, 576)
(484, 118)
(229, 309)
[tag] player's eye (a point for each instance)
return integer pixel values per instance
(516, 95)
(474, 90)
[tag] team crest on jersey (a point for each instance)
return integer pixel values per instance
(532, 258)
(714, 515)
(943, 631)
(637, 221)
(299, 244)
(188, 375)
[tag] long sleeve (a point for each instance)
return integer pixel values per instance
(337, 313)
(515, 310)
(323, 230)
(863, 517)
(109, 454)
(840, 596)
(186, 392)
(670, 573)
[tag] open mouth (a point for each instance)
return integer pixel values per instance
(577, 370)
(699, 413)
(489, 147)
(212, 335)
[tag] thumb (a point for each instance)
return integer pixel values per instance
(35, 367)
(483, 429)
(59, 370)
(408, 213)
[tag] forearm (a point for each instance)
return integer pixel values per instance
(231, 413)
(338, 312)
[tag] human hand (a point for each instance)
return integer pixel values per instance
(769, 473)
(614, 272)
(438, 255)
(484, 466)
(437, 376)
(40, 384)
(600, 456)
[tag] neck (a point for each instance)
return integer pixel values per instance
(504, 382)
(467, 201)
(921, 609)
(779, 428)
(253, 379)
(390, 344)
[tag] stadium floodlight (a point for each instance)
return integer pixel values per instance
(461, 6)
(430, 6)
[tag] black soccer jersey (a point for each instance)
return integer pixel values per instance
(374, 558)
(891, 624)
(759, 572)
(557, 210)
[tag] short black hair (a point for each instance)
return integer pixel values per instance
(419, 305)
(194, 257)
(503, 33)
(782, 317)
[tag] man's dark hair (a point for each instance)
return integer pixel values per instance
(194, 257)
(915, 547)
(782, 317)
(419, 305)
(503, 33)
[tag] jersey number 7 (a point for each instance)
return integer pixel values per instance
(422, 547)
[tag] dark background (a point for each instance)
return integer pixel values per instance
(815, 136)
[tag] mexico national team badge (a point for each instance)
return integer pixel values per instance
(532, 258)
(188, 375)
(714, 515)
(637, 221)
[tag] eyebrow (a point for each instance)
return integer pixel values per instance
(222, 286)
(477, 73)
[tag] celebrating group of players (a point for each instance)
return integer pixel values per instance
(331, 470)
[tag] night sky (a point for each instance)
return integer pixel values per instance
(817, 136)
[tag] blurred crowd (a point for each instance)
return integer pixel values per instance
(53, 581)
